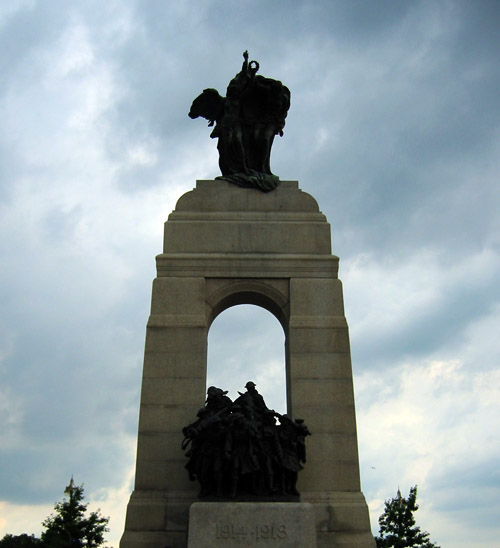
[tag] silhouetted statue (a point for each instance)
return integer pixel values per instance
(217, 400)
(246, 121)
(241, 450)
(208, 437)
(291, 436)
(271, 455)
(238, 447)
(252, 399)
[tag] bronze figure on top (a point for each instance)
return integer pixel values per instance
(246, 121)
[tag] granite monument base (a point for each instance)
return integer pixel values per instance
(226, 246)
(248, 524)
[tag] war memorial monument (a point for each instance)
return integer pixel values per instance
(212, 472)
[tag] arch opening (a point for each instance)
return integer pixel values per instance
(249, 292)
(246, 342)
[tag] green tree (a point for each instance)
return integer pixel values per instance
(397, 524)
(70, 527)
(20, 541)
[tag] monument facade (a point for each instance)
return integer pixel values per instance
(247, 239)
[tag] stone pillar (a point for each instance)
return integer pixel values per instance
(224, 246)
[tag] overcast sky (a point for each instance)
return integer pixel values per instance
(394, 128)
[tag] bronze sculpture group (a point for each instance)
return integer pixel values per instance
(246, 122)
(242, 448)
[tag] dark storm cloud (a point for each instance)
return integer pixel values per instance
(160, 83)
(408, 114)
(393, 129)
(58, 365)
(439, 323)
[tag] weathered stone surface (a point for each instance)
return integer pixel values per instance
(326, 391)
(287, 198)
(226, 246)
(178, 296)
(316, 298)
(322, 365)
(255, 266)
(223, 220)
(263, 525)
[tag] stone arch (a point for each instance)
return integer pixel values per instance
(224, 246)
(256, 292)
(268, 294)
(254, 350)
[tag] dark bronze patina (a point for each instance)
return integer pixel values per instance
(246, 121)
(243, 449)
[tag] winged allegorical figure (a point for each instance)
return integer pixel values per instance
(246, 122)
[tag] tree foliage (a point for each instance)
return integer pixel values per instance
(20, 541)
(397, 524)
(70, 527)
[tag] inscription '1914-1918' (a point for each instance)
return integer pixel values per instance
(259, 532)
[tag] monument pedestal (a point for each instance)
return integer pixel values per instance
(250, 524)
(226, 246)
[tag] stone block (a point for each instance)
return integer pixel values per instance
(173, 391)
(309, 341)
(339, 512)
(154, 539)
(316, 297)
(231, 525)
(327, 474)
(178, 296)
(346, 540)
(246, 235)
(217, 195)
(334, 419)
(321, 365)
(182, 365)
(161, 446)
(176, 339)
(327, 392)
(247, 265)
(147, 516)
(154, 510)
(166, 474)
(338, 447)
(166, 418)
